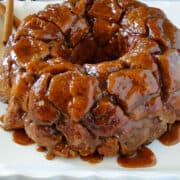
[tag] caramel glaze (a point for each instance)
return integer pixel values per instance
(50, 156)
(1, 121)
(93, 159)
(172, 136)
(20, 137)
(41, 149)
(143, 158)
(1, 118)
(44, 47)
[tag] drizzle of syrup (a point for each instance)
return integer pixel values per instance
(1, 121)
(1, 118)
(143, 158)
(93, 159)
(172, 136)
(50, 156)
(41, 149)
(20, 137)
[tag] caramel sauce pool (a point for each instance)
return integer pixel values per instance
(172, 136)
(20, 137)
(41, 149)
(143, 158)
(50, 156)
(93, 159)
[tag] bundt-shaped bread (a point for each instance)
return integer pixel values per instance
(91, 76)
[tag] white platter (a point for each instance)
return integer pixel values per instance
(26, 163)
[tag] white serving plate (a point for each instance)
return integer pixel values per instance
(26, 163)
